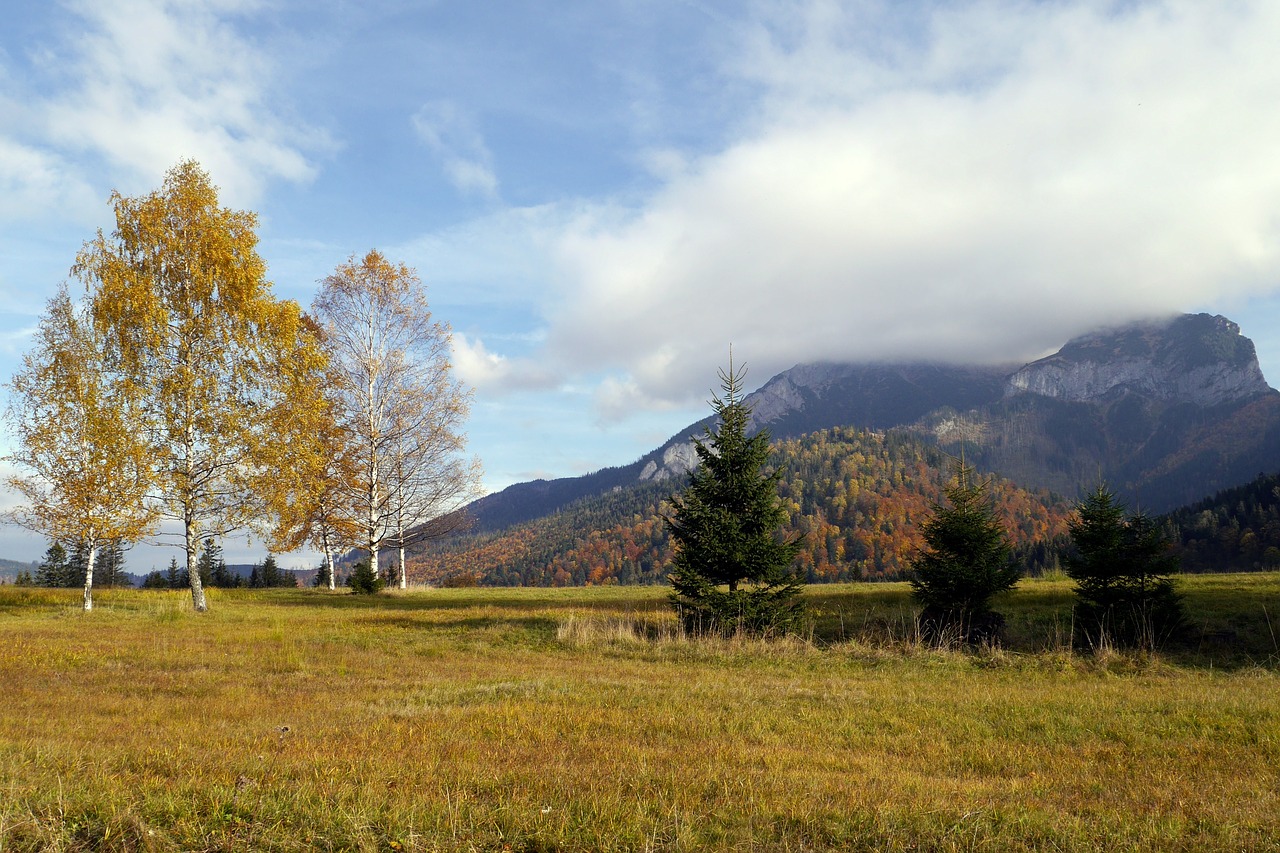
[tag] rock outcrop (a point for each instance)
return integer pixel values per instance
(1200, 359)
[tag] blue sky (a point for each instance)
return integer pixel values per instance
(602, 196)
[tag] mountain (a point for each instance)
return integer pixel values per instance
(1165, 412)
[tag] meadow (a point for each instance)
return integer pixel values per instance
(581, 719)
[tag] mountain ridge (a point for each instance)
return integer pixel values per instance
(1166, 411)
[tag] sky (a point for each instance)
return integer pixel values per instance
(602, 197)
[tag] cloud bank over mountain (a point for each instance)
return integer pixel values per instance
(977, 183)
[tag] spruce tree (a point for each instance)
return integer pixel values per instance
(207, 562)
(1121, 565)
(967, 560)
(176, 577)
(109, 570)
(55, 568)
(733, 569)
(269, 572)
(155, 580)
(363, 580)
(77, 566)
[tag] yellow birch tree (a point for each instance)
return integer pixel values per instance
(81, 440)
(322, 472)
(180, 292)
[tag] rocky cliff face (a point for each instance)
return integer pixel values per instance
(1200, 359)
(677, 460)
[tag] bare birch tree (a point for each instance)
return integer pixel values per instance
(401, 409)
(80, 441)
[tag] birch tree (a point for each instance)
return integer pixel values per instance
(81, 441)
(400, 407)
(180, 292)
(316, 511)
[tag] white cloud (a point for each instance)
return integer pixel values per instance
(976, 183)
(455, 142)
(143, 84)
(34, 181)
(475, 366)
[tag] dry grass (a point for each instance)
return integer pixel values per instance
(584, 720)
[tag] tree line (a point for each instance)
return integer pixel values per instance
(1236, 528)
(176, 397)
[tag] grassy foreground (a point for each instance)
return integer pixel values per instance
(543, 720)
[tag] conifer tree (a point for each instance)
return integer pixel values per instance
(733, 569)
(174, 575)
(1121, 566)
(77, 565)
(156, 579)
(54, 568)
(212, 568)
(967, 560)
(270, 575)
(111, 566)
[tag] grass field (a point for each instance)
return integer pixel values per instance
(580, 719)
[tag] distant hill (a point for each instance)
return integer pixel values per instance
(1165, 412)
(9, 569)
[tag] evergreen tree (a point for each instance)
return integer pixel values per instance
(177, 578)
(77, 566)
(269, 573)
(109, 569)
(222, 576)
(733, 570)
(24, 578)
(967, 560)
(54, 569)
(363, 580)
(156, 580)
(1121, 566)
(213, 569)
(322, 575)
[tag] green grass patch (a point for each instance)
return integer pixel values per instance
(583, 719)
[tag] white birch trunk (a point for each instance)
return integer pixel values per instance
(193, 571)
(88, 577)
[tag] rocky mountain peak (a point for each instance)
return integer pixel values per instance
(1196, 358)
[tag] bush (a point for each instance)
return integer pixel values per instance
(363, 581)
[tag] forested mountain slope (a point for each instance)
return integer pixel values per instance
(1236, 529)
(856, 498)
